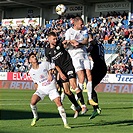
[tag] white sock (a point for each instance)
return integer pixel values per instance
(34, 110)
(62, 114)
(81, 86)
(62, 96)
(76, 97)
(89, 89)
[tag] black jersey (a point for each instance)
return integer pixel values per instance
(99, 69)
(58, 55)
(96, 51)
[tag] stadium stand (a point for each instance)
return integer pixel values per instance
(111, 29)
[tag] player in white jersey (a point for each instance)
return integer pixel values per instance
(45, 84)
(77, 38)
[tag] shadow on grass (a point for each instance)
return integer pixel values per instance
(101, 123)
(105, 123)
(14, 115)
(131, 107)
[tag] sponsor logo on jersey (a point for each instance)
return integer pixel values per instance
(57, 56)
(43, 80)
(41, 76)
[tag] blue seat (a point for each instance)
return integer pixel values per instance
(109, 48)
(48, 25)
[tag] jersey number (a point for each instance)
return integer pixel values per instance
(101, 51)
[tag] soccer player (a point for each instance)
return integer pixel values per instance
(55, 52)
(45, 85)
(77, 38)
(98, 71)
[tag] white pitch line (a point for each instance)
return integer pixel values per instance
(14, 99)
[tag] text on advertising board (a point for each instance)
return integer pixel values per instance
(17, 85)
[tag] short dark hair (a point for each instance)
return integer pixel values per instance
(30, 54)
(51, 34)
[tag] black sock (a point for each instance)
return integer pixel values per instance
(95, 107)
(72, 99)
(80, 97)
(95, 99)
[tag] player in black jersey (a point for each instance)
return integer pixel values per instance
(99, 69)
(55, 52)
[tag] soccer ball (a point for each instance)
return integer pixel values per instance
(60, 9)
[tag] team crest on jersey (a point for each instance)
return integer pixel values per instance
(54, 51)
(41, 76)
(44, 70)
(72, 33)
(58, 47)
(77, 37)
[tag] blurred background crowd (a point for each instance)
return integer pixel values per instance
(112, 30)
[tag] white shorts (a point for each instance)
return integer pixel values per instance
(82, 63)
(49, 90)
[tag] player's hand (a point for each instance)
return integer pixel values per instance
(64, 42)
(62, 76)
(74, 43)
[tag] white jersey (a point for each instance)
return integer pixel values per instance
(79, 55)
(79, 36)
(45, 87)
(40, 75)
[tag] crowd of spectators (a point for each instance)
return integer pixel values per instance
(17, 43)
(115, 29)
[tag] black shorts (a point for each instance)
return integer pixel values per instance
(69, 72)
(99, 70)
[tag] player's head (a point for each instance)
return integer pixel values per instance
(78, 23)
(32, 58)
(52, 38)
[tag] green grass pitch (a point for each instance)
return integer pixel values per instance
(16, 116)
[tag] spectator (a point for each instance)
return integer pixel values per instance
(108, 29)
